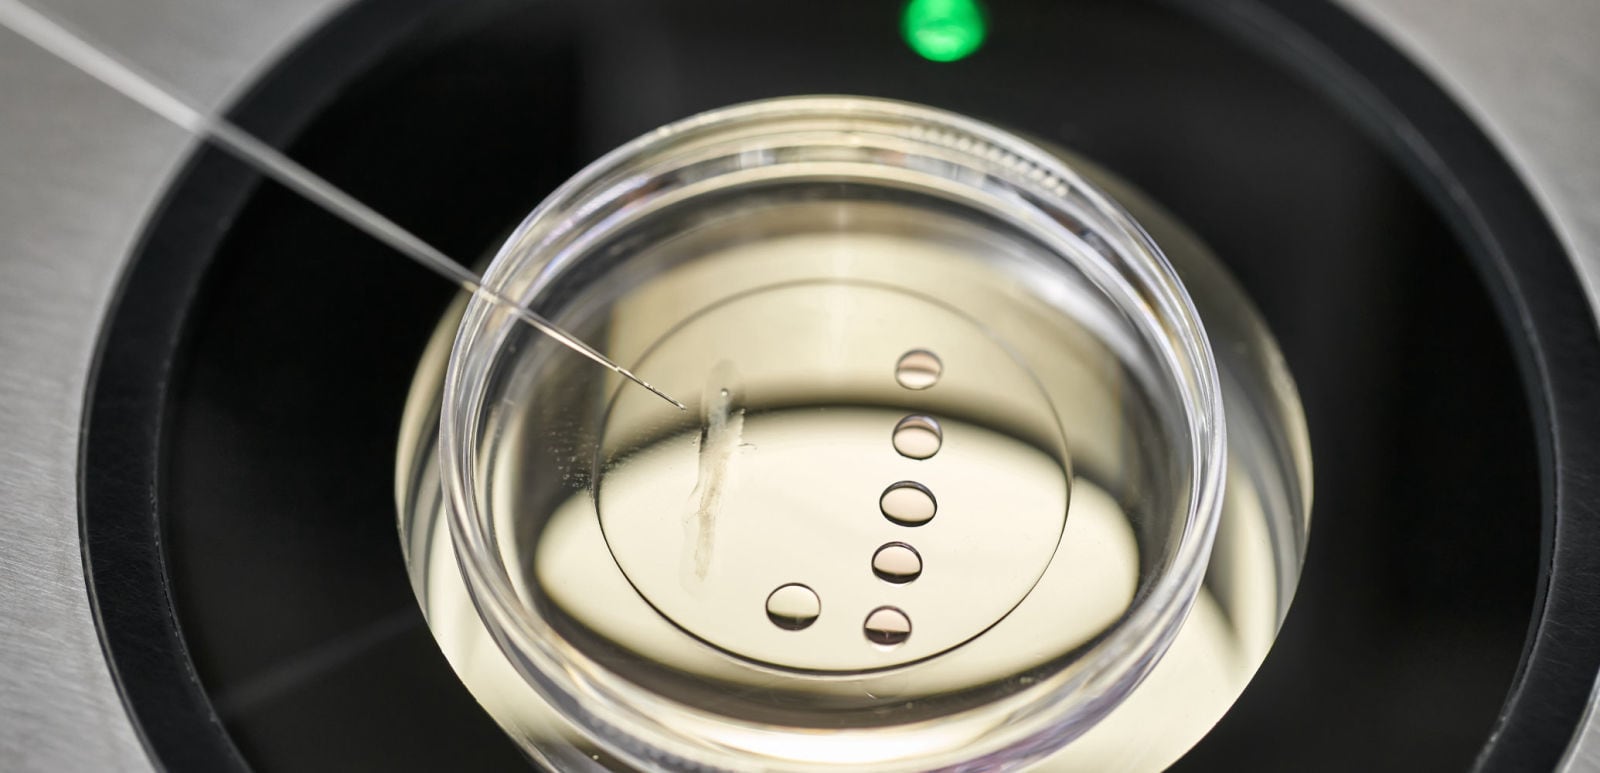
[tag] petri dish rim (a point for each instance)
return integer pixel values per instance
(1048, 198)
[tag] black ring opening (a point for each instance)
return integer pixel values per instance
(237, 522)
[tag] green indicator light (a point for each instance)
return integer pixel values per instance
(943, 30)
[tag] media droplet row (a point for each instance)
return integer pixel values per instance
(795, 607)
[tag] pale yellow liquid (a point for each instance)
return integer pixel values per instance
(1088, 582)
(1043, 478)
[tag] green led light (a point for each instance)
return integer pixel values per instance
(943, 30)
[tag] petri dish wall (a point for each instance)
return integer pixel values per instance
(985, 461)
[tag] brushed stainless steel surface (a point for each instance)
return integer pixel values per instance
(80, 169)
(1530, 73)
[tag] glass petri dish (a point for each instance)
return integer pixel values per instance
(956, 454)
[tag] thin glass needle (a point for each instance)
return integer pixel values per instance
(58, 39)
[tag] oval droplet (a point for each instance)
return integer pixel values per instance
(918, 436)
(887, 627)
(793, 607)
(908, 503)
(918, 369)
(897, 562)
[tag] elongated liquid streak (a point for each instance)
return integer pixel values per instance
(68, 45)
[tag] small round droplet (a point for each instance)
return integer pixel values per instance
(887, 626)
(908, 503)
(897, 562)
(918, 437)
(918, 369)
(793, 607)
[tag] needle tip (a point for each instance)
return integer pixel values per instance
(664, 396)
(652, 388)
